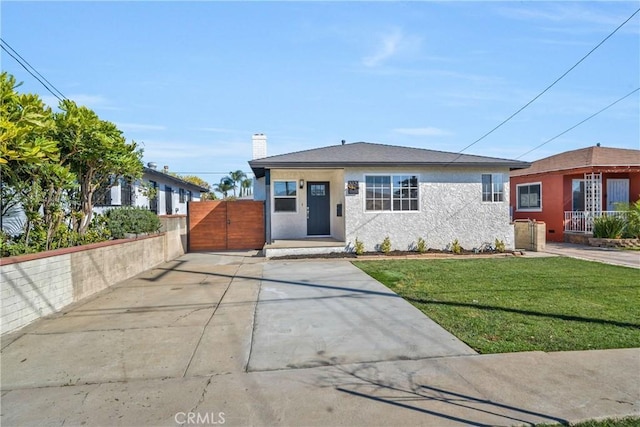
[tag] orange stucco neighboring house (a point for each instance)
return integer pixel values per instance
(568, 190)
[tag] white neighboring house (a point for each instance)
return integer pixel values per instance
(172, 194)
(369, 191)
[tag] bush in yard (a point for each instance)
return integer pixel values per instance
(359, 247)
(421, 246)
(128, 220)
(98, 231)
(455, 247)
(62, 237)
(500, 245)
(609, 227)
(633, 219)
(385, 246)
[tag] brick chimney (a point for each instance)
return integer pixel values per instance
(259, 141)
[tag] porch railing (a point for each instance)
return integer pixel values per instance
(582, 222)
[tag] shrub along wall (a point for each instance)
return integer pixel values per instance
(36, 285)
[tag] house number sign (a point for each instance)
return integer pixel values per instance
(353, 187)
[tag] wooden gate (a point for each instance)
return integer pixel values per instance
(220, 225)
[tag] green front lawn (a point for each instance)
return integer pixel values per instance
(611, 422)
(500, 305)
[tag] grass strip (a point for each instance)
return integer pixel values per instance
(500, 305)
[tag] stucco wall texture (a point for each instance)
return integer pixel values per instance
(451, 207)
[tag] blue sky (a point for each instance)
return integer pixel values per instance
(192, 81)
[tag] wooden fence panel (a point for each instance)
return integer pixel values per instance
(221, 225)
(207, 225)
(245, 225)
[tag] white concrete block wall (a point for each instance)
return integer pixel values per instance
(451, 207)
(34, 289)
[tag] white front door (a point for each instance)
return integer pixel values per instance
(617, 192)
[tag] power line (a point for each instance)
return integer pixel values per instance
(578, 124)
(22, 63)
(547, 88)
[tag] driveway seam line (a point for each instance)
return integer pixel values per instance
(253, 325)
(195, 349)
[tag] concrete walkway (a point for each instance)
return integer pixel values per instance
(625, 258)
(232, 339)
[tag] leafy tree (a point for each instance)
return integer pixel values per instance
(50, 164)
(24, 124)
(225, 185)
(96, 152)
(32, 177)
(196, 180)
(236, 178)
(245, 187)
(208, 196)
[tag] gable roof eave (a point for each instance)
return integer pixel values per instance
(590, 157)
(167, 177)
(365, 154)
(299, 165)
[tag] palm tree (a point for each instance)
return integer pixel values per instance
(245, 187)
(236, 178)
(224, 186)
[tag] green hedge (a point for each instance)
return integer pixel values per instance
(131, 220)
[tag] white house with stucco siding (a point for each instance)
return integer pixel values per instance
(369, 191)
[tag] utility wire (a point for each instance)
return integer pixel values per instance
(546, 89)
(578, 124)
(49, 86)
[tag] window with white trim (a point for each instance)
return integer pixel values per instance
(285, 194)
(529, 196)
(391, 193)
(492, 187)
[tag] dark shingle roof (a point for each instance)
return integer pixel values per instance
(370, 154)
(584, 157)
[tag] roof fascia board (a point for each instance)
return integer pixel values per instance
(327, 165)
(171, 178)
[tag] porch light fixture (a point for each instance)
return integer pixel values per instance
(301, 183)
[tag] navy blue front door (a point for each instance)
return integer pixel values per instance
(318, 209)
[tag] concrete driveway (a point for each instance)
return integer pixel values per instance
(328, 313)
(233, 339)
(624, 258)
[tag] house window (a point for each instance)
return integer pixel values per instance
(285, 196)
(189, 195)
(529, 197)
(153, 201)
(317, 189)
(102, 196)
(578, 195)
(181, 194)
(168, 200)
(391, 193)
(492, 187)
(126, 193)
